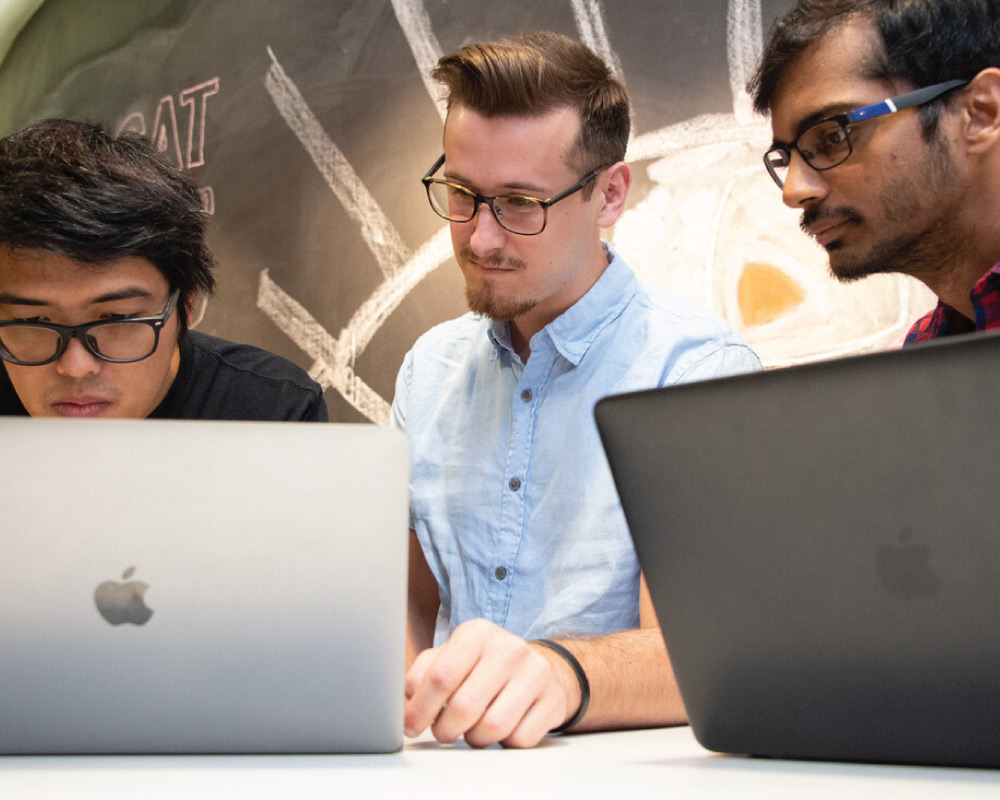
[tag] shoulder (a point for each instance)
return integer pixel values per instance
(453, 335)
(228, 380)
(440, 359)
(10, 403)
(690, 342)
(457, 340)
(252, 363)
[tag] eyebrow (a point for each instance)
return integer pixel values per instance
(126, 293)
(826, 112)
(508, 187)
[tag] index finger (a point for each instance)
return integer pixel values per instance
(431, 682)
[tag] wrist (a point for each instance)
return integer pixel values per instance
(578, 681)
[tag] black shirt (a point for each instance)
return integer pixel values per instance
(224, 380)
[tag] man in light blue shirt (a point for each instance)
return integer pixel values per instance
(526, 600)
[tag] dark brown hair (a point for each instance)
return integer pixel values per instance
(535, 73)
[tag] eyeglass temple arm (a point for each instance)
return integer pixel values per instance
(908, 100)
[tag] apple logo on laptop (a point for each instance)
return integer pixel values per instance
(123, 602)
(905, 569)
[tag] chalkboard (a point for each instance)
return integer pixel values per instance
(308, 124)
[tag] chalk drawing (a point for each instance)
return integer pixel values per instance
(415, 23)
(165, 126)
(165, 130)
(744, 43)
(711, 228)
(207, 199)
(164, 134)
(377, 231)
(334, 358)
(593, 32)
(134, 122)
(196, 99)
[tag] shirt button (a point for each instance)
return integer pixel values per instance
(514, 484)
(500, 572)
(526, 395)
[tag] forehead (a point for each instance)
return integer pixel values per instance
(827, 78)
(499, 151)
(61, 280)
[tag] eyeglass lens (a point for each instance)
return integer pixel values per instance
(121, 341)
(823, 146)
(522, 215)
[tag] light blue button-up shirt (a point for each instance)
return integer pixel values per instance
(511, 496)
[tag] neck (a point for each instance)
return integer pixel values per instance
(973, 241)
(975, 248)
(524, 327)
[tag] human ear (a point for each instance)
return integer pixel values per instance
(982, 105)
(195, 304)
(614, 194)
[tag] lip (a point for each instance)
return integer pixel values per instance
(81, 407)
(825, 232)
(490, 270)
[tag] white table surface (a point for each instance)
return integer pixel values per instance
(614, 766)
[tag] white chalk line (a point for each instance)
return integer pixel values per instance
(377, 231)
(334, 358)
(593, 32)
(698, 131)
(744, 44)
(415, 23)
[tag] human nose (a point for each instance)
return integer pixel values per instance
(77, 361)
(487, 233)
(803, 184)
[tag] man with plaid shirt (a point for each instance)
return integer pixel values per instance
(886, 135)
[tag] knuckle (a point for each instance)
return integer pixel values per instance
(441, 679)
(489, 730)
(463, 709)
(520, 740)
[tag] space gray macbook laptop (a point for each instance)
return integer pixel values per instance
(201, 587)
(822, 547)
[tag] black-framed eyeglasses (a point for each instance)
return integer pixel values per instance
(32, 344)
(517, 213)
(827, 144)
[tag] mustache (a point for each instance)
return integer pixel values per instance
(817, 214)
(87, 386)
(494, 260)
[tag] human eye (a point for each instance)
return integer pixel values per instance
(458, 197)
(518, 205)
(823, 143)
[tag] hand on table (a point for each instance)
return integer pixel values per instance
(488, 685)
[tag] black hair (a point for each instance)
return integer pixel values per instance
(923, 42)
(73, 189)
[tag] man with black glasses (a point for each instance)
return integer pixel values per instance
(102, 256)
(527, 608)
(886, 121)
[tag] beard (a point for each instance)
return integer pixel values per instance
(485, 300)
(924, 247)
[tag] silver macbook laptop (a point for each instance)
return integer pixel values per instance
(194, 587)
(822, 546)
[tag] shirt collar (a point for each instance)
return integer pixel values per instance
(944, 320)
(574, 331)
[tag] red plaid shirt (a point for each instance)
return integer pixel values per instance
(946, 321)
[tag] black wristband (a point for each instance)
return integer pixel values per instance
(581, 678)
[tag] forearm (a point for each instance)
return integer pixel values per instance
(422, 605)
(632, 683)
